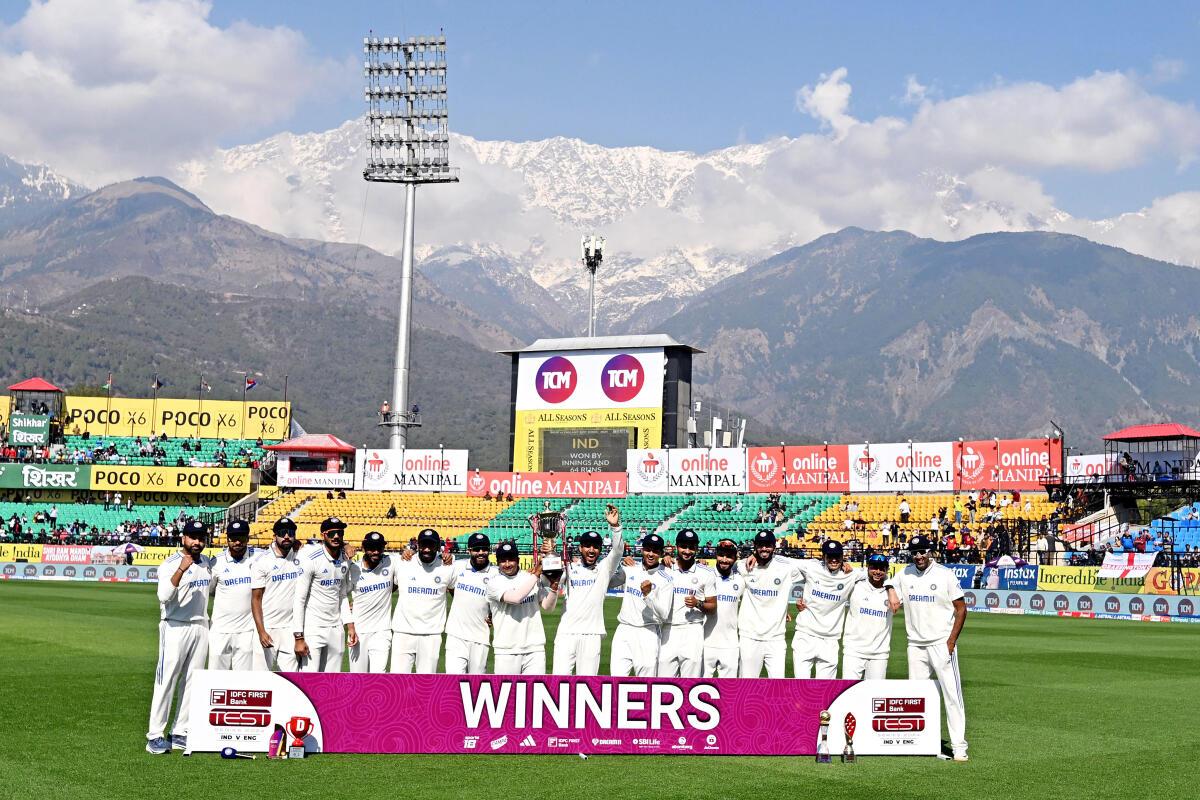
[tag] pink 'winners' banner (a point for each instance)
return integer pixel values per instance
(500, 714)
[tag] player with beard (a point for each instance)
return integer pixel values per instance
(420, 615)
(321, 602)
(467, 631)
(821, 611)
(721, 625)
(681, 648)
(645, 606)
(272, 590)
(586, 584)
(934, 615)
(765, 600)
(184, 584)
(372, 583)
(232, 643)
(868, 637)
(517, 599)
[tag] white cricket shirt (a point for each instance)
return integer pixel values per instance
(586, 587)
(825, 594)
(645, 611)
(721, 627)
(700, 581)
(766, 598)
(516, 627)
(322, 590)
(868, 622)
(276, 575)
(231, 592)
(187, 602)
(928, 599)
(371, 595)
(469, 609)
(421, 606)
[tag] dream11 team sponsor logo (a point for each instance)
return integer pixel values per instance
(898, 715)
(239, 708)
(621, 379)
(557, 378)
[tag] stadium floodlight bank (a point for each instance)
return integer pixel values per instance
(408, 142)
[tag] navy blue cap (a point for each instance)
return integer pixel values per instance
(507, 551)
(920, 542)
(479, 541)
(831, 548)
(374, 541)
(687, 538)
(877, 560)
(652, 541)
(239, 528)
(284, 525)
(590, 538)
(429, 536)
(332, 524)
(764, 537)
(195, 529)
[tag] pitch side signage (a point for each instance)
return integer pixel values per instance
(412, 470)
(590, 379)
(547, 484)
(798, 468)
(1006, 463)
(889, 467)
(687, 470)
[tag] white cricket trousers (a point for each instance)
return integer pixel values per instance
(634, 650)
(681, 651)
(325, 649)
(282, 652)
(925, 661)
(757, 654)
(720, 661)
(465, 658)
(415, 650)
(817, 654)
(857, 668)
(371, 652)
(240, 650)
(182, 647)
(532, 663)
(576, 653)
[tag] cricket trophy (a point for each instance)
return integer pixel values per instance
(823, 741)
(298, 727)
(547, 526)
(848, 725)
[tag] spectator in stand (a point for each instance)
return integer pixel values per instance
(904, 509)
(935, 524)
(958, 509)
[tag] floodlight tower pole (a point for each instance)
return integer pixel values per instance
(408, 142)
(593, 255)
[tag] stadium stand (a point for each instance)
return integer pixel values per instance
(141, 451)
(92, 523)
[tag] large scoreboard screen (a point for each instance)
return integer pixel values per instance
(586, 450)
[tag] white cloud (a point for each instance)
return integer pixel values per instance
(107, 90)
(827, 101)
(914, 91)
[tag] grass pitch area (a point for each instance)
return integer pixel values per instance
(1055, 708)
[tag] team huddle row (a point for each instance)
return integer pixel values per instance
(299, 610)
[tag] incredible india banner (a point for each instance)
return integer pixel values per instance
(501, 714)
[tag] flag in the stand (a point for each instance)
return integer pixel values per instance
(156, 384)
(250, 383)
(204, 387)
(107, 386)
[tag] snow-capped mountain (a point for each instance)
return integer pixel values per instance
(28, 189)
(676, 222)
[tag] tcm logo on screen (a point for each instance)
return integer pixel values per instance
(622, 378)
(556, 379)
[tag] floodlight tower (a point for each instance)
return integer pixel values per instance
(408, 142)
(593, 254)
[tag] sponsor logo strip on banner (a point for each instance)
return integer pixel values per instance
(171, 479)
(547, 484)
(412, 470)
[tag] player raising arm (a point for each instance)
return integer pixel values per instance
(320, 603)
(934, 614)
(184, 583)
(586, 584)
(517, 599)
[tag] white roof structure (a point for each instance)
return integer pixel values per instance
(602, 343)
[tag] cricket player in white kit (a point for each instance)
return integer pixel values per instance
(272, 592)
(934, 614)
(821, 611)
(765, 601)
(321, 602)
(867, 640)
(645, 606)
(721, 654)
(184, 584)
(372, 582)
(681, 644)
(585, 585)
(232, 638)
(517, 599)
(468, 634)
(420, 615)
